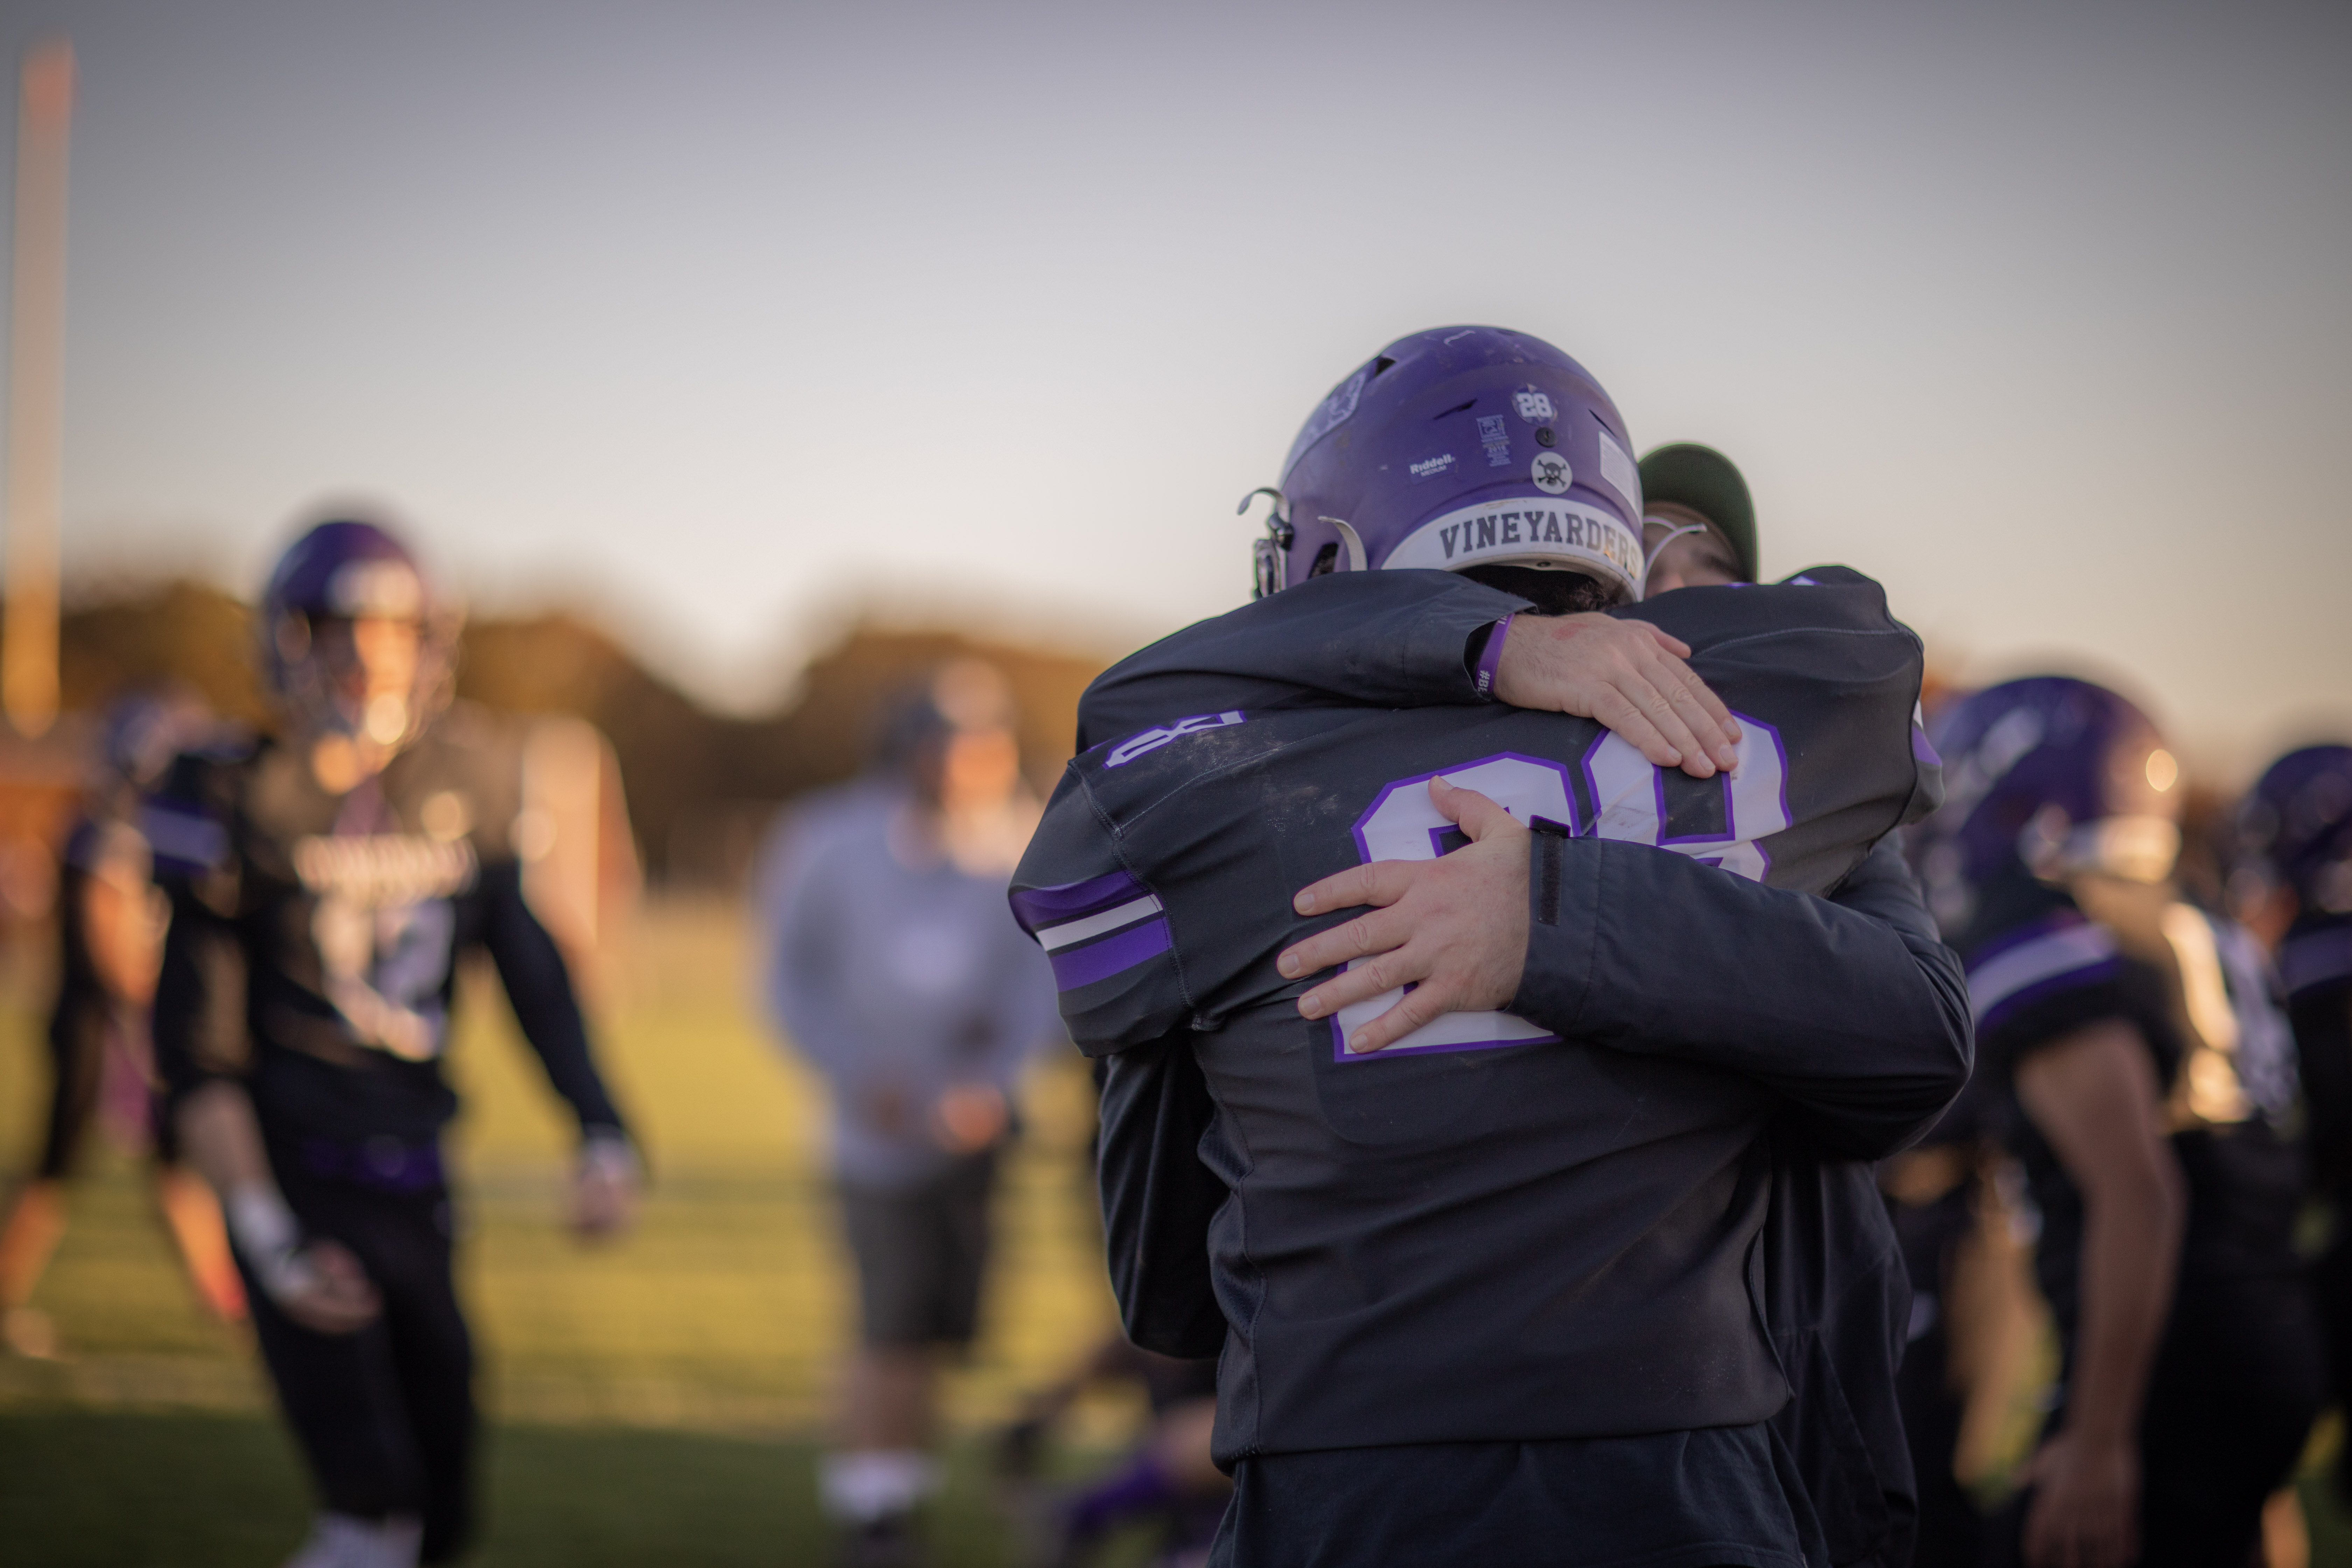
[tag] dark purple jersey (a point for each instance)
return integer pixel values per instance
(2044, 961)
(315, 938)
(1497, 1228)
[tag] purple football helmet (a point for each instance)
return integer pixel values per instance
(2296, 824)
(386, 690)
(1461, 446)
(2056, 774)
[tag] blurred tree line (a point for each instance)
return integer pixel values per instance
(700, 785)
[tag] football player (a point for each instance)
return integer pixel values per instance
(109, 939)
(323, 887)
(1836, 1294)
(1475, 1291)
(2295, 892)
(2148, 1079)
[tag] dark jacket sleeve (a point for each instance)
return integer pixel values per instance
(1158, 1199)
(198, 1017)
(539, 987)
(198, 1021)
(1383, 639)
(1849, 1006)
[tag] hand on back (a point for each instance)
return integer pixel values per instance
(1454, 929)
(1626, 674)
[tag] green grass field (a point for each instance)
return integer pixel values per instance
(657, 1400)
(668, 1388)
(88, 1489)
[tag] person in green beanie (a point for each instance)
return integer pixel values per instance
(1697, 522)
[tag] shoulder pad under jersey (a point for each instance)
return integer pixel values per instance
(186, 820)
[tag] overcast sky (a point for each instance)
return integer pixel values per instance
(718, 318)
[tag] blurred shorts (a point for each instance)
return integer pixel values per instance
(920, 1251)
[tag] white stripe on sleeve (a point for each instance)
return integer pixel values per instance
(1050, 937)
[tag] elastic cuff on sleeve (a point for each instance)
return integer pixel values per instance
(1434, 654)
(1488, 663)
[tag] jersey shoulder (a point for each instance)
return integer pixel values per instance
(1149, 882)
(1822, 600)
(188, 820)
(467, 775)
(1125, 774)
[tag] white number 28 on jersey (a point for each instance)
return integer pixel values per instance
(1630, 796)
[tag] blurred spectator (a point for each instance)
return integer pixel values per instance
(110, 926)
(894, 965)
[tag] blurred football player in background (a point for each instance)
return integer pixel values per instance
(1346, 1429)
(2148, 1080)
(323, 887)
(893, 966)
(2293, 888)
(109, 927)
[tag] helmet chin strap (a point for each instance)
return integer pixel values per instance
(1357, 559)
(1267, 566)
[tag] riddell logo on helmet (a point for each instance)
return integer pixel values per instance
(1430, 467)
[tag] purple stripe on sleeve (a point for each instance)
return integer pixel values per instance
(1076, 966)
(1921, 750)
(1035, 907)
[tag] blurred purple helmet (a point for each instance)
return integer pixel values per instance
(355, 570)
(2054, 774)
(2297, 824)
(1461, 446)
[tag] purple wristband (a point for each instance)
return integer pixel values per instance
(1490, 659)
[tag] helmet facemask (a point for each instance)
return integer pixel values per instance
(359, 657)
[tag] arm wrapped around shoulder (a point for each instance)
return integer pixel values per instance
(1849, 1006)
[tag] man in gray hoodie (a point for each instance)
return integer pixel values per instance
(892, 964)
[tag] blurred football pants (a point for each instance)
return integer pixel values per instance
(385, 1416)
